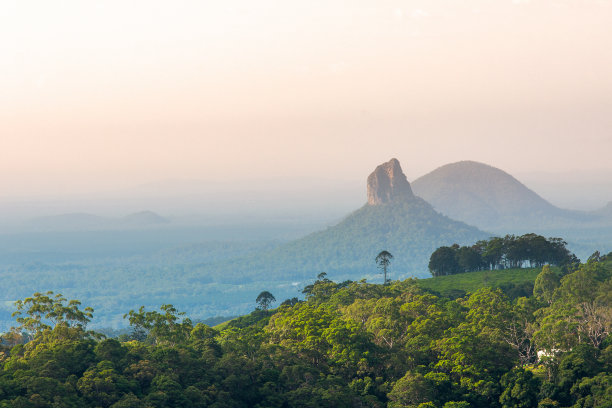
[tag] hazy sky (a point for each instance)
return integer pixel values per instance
(97, 95)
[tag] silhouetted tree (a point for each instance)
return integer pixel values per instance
(265, 299)
(468, 259)
(443, 262)
(383, 259)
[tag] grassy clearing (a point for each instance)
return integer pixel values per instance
(514, 282)
(457, 285)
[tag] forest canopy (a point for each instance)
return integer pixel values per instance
(530, 250)
(348, 344)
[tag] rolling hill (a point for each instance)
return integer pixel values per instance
(492, 199)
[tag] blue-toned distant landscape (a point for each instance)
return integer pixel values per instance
(116, 264)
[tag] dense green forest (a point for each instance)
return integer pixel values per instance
(349, 344)
(501, 253)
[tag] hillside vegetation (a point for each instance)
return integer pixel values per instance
(350, 344)
(513, 282)
(411, 230)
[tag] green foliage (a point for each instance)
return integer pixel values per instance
(520, 389)
(412, 390)
(580, 309)
(456, 286)
(160, 327)
(578, 363)
(103, 385)
(591, 392)
(383, 260)
(45, 311)
(500, 253)
(443, 262)
(545, 284)
(475, 354)
(265, 299)
(349, 344)
(257, 318)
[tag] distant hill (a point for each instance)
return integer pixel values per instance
(144, 218)
(492, 199)
(394, 220)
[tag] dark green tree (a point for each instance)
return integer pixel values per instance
(545, 284)
(44, 311)
(264, 300)
(383, 259)
(161, 328)
(494, 253)
(520, 389)
(410, 391)
(443, 261)
(468, 259)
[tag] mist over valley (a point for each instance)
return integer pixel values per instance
(213, 262)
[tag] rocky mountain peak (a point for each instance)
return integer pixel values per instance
(388, 183)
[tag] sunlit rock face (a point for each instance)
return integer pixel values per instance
(388, 183)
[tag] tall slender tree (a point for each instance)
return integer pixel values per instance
(383, 259)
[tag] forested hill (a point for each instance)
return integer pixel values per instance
(409, 229)
(351, 344)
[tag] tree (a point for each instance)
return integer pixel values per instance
(520, 327)
(410, 391)
(321, 290)
(265, 299)
(468, 259)
(545, 284)
(474, 353)
(443, 261)
(45, 311)
(580, 310)
(383, 259)
(494, 253)
(103, 385)
(161, 328)
(595, 257)
(520, 389)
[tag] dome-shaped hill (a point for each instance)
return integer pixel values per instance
(489, 198)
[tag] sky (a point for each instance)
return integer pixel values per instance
(106, 95)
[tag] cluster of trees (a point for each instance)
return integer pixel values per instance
(530, 250)
(349, 344)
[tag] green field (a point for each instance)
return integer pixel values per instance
(515, 282)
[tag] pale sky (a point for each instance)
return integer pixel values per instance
(98, 95)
